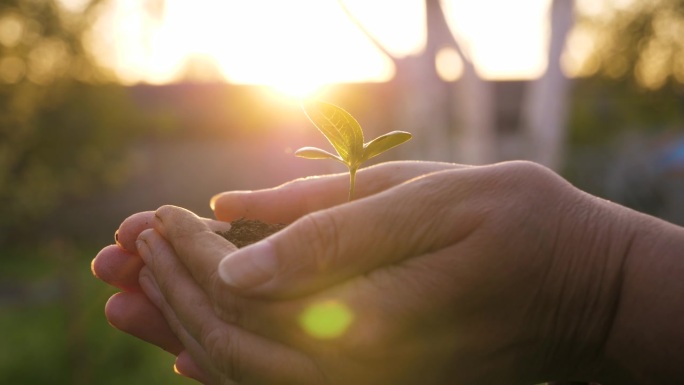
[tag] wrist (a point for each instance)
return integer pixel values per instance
(585, 288)
(647, 336)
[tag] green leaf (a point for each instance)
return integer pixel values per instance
(346, 136)
(383, 143)
(339, 127)
(316, 153)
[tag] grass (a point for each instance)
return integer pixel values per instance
(54, 330)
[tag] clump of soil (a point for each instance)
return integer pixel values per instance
(244, 232)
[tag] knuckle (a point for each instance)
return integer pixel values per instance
(523, 174)
(145, 235)
(223, 354)
(230, 310)
(164, 212)
(178, 222)
(166, 285)
(531, 185)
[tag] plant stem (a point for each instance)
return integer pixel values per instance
(352, 182)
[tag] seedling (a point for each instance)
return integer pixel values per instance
(346, 136)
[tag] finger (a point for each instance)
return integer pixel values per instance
(187, 367)
(134, 314)
(117, 267)
(285, 203)
(198, 252)
(120, 266)
(329, 246)
(216, 346)
(203, 367)
(132, 226)
(198, 248)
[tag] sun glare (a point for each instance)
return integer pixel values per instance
(298, 46)
(296, 88)
(326, 320)
(507, 39)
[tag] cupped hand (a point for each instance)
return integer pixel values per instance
(130, 310)
(288, 202)
(462, 275)
(119, 265)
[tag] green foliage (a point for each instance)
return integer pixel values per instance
(346, 136)
(603, 110)
(41, 42)
(55, 331)
(633, 77)
(63, 134)
(637, 41)
(60, 142)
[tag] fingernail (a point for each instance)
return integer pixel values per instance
(220, 226)
(186, 366)
(143, 249)
(249, 267)
(212, 202)
(142, 244)
(234, 199)
(92, 267)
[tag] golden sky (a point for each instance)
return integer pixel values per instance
(301, 44)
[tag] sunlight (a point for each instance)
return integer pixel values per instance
(507, 39)
(449, 64)
(295, 46)
(326, 320)
(256, 42)
(398, 25)
(296, 88)
(299, 46)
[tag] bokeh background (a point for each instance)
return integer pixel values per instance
(108, 107)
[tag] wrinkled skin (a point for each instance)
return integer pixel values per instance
(451, 274)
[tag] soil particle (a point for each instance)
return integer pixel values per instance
(244, 232)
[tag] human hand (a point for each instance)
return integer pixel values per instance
(119, 265)
(463, 275)
(130, 310)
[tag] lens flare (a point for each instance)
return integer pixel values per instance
(326, 320)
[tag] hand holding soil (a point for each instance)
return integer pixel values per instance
(436, 274)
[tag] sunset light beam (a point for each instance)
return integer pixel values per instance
(299, 46)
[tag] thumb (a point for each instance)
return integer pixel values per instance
(290, 201)
(329, 246)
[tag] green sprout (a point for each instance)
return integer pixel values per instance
(346, 136)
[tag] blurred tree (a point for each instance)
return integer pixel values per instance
(639, 41)
(628, 104)
(631, 55)
(60, 136)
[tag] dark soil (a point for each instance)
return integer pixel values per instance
(244, 232)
